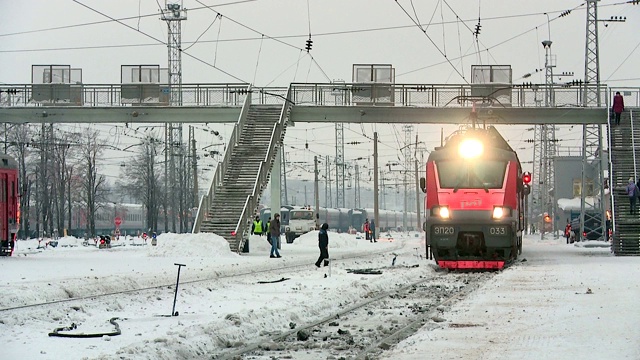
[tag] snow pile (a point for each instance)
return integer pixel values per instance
(190, 245)
(574, 204)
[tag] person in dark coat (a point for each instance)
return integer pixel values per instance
(274, 231)
(372, 231)
(268, 230)
(323, 243)
(618, 106)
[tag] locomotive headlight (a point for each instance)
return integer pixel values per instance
(470, 148)
(499, 212)
(287, 229)
(441, 211)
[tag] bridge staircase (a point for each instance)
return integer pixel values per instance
(625, 164)
(229, 207)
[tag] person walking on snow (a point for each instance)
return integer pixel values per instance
(274, 231)
(618, 106)
(323, 243)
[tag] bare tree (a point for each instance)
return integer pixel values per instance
(142, 181)
(93, 184)
(63, 171)
(20, 149)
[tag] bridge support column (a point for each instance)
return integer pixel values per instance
(275, 186)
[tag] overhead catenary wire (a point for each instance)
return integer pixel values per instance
(160, 41)
(430, 40)
(111, 20)
(204, 32)
(400, 27)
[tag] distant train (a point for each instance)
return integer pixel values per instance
(131, 219)
(9, 205)
(474, 199)
(342, 219)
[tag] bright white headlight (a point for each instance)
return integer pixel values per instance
(470, 148)
(444, 212)
(498, 212)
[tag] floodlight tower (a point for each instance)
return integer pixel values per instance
(173, 14)
(592, 134)
(548, 141)
(408, 130)
(339, 127)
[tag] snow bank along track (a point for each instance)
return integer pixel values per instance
(220, 275)
(364, 330)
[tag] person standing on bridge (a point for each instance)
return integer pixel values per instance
(274, 231)
(618, 106)
(323, 243)
(632, 192)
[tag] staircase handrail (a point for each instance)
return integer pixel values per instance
(612, 201)
(263, 173)
(633, 148)
(221, 169)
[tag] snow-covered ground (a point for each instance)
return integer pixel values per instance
(565, 301)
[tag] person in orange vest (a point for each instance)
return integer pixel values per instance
(365, 229)
(567, 231)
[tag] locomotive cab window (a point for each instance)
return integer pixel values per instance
(477, 174)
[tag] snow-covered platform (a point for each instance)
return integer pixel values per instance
(573, 301)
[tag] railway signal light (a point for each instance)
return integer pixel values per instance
(547, 218)
(526, 178)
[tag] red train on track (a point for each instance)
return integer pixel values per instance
(474, 201)
(9, 205)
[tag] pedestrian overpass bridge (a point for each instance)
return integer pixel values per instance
(238, 184)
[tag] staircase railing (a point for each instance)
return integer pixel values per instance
(633, 148)
(251, 203)
(221, 169)
(612, 184)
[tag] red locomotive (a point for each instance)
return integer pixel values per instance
(9, 205)
(474, 201)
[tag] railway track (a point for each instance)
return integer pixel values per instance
(220, 276)
(364, 330)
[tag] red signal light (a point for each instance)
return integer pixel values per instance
(526, 177)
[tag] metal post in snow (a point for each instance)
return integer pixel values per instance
(175, 297)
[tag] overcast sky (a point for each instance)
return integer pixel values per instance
(262, 42)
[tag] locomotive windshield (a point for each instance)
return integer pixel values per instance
(477, 174)
(301, 215)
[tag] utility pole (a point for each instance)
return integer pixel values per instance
(592, 159)
(196, 198)
(356, 189)
(173, 14)
(418, 191)
(315, 190)
(283, 185)
(376, 212)
(339, 165)
(408, 129)
(328, 199)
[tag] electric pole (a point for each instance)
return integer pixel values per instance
(316, 191)
(408, 129)
(339, 165)
(592, 134)
(173, 14)
(376, 212)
